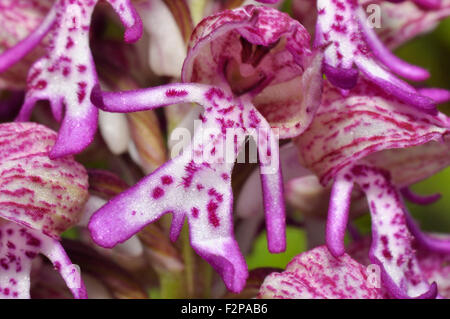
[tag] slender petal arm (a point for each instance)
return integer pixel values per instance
(13, 55)
(338, 214)
(419, 199)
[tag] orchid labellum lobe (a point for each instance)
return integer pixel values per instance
(348, 39)
(258, 73)
(66, 74)
(379, 143)
(40, 198)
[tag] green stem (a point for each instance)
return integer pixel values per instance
(189, 262)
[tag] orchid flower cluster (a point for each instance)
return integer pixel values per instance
(235, 80)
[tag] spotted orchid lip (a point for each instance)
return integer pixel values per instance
(44, 194)
(66, 74)
(21, 246)
(366, 122)
(192, 187)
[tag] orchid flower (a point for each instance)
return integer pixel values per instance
(342, 29)
(383, 145)
(405, 20)
(258, 55)
(66, 74)
(317, 274)
(40, 198)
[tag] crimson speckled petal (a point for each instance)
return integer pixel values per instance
(391, 247)
(366, 121)
(40, 198)
(316, 274)
(348, 41)
(197, 184)
(66, 74)
(263, 52)
(434, 266)
(35, 191)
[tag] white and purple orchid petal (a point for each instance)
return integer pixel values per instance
(35, 191)
(197, 184)
(317, 274)
(435, 267)
(167, 49)
(410, 165)
(391, 247)
(343, 32)
(338, 212)
(404, 21)
(408, 194)
(347, 129)
(439, 244)
(15, 53)
(129, 18)
(66, 74)
(263, 52)
(54, 251)
(385, 56)
(115, 131)
(18, 247)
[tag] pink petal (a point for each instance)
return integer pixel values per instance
(391, 247)
(197, 184)
(19, 246)
(347, 129)
(403, 21)
(347, 41)
(316, 274)
(35, 191)
(435, 243)
(396, 65)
